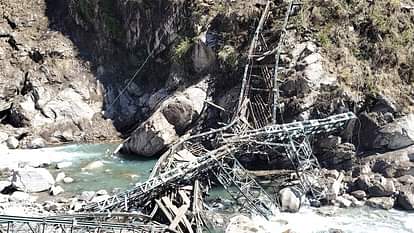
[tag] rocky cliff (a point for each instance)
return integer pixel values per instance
(67, 68)
(47, 94)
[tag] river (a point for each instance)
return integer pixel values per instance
(123, 172)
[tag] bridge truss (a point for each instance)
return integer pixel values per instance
(174, 193)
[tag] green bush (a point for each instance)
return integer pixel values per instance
(181, 50)
(229, 56)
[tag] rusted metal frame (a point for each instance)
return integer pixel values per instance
(277, 57)
(252, 48)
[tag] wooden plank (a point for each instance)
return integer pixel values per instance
(174, 209)
(179, 215)
(154, 211)
(196, 196)
(184, 196)
(185, 156)
(164, 210)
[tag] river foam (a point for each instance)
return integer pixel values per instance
(352, 220)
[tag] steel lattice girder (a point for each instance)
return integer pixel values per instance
(231, 173)
(160, 183)
(17, 224)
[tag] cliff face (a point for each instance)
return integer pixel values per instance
(46, 90)
(68, 62)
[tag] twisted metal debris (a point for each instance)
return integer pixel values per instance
(173, 195)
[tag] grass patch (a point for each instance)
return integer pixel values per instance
(181, 50)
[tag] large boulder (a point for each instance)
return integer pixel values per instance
(290, 199)
(171, 119)
(37, 143)
(12, 142)
(32, 180)
(381, 187)
(151, 137)
(182, 109)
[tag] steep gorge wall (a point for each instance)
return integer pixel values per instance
(46, 90)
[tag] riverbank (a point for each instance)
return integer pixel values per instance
(111, 174)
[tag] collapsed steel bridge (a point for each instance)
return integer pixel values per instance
(172, 198)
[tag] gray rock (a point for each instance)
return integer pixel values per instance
(405, 198)
(32, 180)
(169, 121)
(63, 200)
(334, 187)
(101, 192)
(381, 187)
(343, 202)
(354, 201)
(333, 174)
(384, 104)
(290, 199)
(384, 168)
(4, 184)
(93, 165)
(59, 177)
(385, 203)
(407, 179)
(363, 182)
(62, 165)
(37, 143)
(56, 190)
(394, 163)
(12, 142)
(68, 180)
(151, 137)
(86, 195)
(359, 194)
(75, 205)
(314, 74)
(396, 135)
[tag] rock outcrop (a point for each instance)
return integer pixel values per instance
(45, 88)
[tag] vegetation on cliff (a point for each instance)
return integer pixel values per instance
(369, 44)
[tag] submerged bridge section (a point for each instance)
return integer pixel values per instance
(73, 224)
(174, 193)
